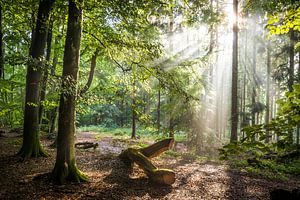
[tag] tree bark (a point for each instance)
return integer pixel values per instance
(133, 106)
(1, 45)
(45, 73)
(253, 95)
(291, 73)
(234, 89)
(267, 117)
(158, 108)
(157, 148)
(31, 144)
(65, 167)
(53, 112)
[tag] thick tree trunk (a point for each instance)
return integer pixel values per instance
(65, 166)
(140, 157)
(234, 84)
(31, 144)
(1, 45)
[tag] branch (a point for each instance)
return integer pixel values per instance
(100, 41)
(91, 75)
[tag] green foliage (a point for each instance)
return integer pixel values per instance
(287, 119)
(253, 151)
(282, 23)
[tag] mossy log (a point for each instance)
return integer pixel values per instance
(140, 157)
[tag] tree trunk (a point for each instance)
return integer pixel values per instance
(31, 143)
(133, 106)
(65, 166)
(234, 85)
(53, 112)
(1, 46)
(52, 121)
(45, 74)
(267, 117)
(158, 108)
(253, 95)
(298, 81)
(291, 73)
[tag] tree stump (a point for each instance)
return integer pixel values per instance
(141, 158)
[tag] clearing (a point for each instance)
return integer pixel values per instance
(108, 178)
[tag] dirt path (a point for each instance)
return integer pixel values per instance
(110, 180)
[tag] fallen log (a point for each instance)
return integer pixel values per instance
(140, 157)
(86, 145)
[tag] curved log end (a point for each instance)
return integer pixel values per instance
(163, 176)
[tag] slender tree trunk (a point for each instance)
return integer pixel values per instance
(133, 106)
(298, 81)
(53, 117)
(291, 72)
(243, 107)
(65, 166)
(31, 143)
(54, 111)
(298, 73)
(45, 73)
(1, 45)
(234, 85)
(267, 117)
(158, 109)
(292, 61)
(171, 45)
(122, 108)
(253, 95)
(298, 135)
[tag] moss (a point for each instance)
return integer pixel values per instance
(34, 150)
(64, 172)
(75, 174)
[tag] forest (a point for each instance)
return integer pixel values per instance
(150, 99)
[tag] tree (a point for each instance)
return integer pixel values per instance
(45, 73)
(65, 166)
(234, 92)
(158, 107)
(134, 105)
(31, 144)
(267, 117)
(1, 46)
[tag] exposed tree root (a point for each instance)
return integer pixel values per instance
(65, 172)
(34, 150)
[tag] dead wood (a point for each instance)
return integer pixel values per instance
(86, 145)
(140, 157)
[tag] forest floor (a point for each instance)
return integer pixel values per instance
(108, 179)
